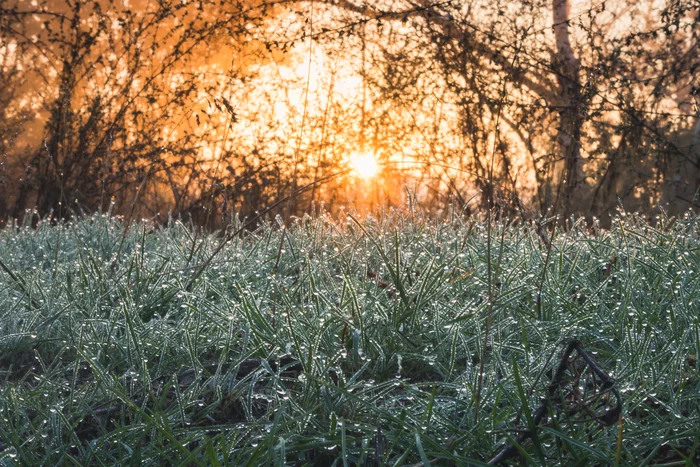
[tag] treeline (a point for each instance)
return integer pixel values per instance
(215, 108)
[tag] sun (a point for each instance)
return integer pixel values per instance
(364, 165)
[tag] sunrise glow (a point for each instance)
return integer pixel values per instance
(364, 165)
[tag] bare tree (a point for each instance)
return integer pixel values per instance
(596, 97)
(192, 107)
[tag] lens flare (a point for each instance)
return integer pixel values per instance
(364, 165)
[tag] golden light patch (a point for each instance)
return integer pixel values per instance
(364, 165)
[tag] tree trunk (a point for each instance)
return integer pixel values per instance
(695, 156)
(567, 67)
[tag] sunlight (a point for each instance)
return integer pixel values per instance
(364, 165)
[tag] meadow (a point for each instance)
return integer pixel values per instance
(348, 341)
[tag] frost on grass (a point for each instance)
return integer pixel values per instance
(359, 340)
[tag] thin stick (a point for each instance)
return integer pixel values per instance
(489, 221)
(301, 134)
(608, 384)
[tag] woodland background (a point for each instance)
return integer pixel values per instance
(210, 109)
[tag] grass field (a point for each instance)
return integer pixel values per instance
(348, 341)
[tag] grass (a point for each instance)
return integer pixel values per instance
(361, 347)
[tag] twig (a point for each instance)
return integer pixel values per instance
(608, 384)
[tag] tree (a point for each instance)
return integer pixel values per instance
(599, 99)
(215, 107)
(112, 94)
